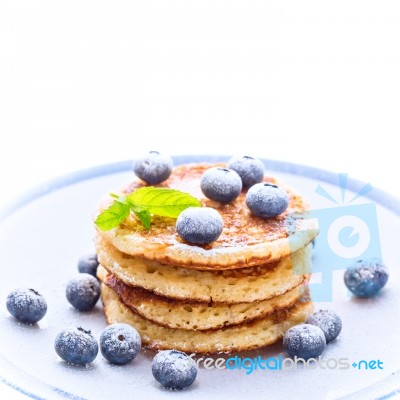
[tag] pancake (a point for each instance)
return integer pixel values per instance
(205, 286)
(246, 239)
(179, 314)
(247, 336)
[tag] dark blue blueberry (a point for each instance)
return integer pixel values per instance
(328, 321)
(88, 264)
(83, 292)
(221, 184)
(76, 346)
(266, 200)
(27, 305)
(174, 369)
(250, 170)
(366, 278)
(304, 341)
(199, 225)
(120, 343)
(153, 168)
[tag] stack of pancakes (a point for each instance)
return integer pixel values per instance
(240, 292)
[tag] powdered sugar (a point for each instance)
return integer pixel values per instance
(328, 322)
(174, 369)
(27, 305)
(305, 341)
(120, 343)
(199, 225)
(76, 345)
(221, 184)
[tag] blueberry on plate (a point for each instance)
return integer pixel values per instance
(83, 291)
(88, 264)
(153, 168)
(221, 184)
(174, 369)
(266, 200)
(304, 341)
(76, 346)
(26, 305)
(120, 343)
(328, 321)
(366, 278)
(250, 170)
(199, 225)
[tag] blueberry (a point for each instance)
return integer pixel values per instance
(153, 168)
(366, 278)
(221, 184)
(76, 346)
(304, 341)
(266, 200)
(120, 343)
(27, 305)
(174, 369)
(328, 321)
(199, 225)
(250, 169)
(88, 264)
(83, 292)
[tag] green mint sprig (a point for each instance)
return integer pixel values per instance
(145, 202)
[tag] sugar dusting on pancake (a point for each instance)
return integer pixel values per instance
(246, 239)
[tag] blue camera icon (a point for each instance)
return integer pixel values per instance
(347, 233)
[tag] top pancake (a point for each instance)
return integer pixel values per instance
(246, 239)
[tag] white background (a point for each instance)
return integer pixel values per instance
(89, 82)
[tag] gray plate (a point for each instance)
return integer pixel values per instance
(43, 234)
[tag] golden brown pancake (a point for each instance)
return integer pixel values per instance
(205, 286)
(195, 315)
(246, 336)
(246, 240)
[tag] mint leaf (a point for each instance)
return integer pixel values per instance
(143, 215)
(113, 215)
(161, 201)
(144, 202)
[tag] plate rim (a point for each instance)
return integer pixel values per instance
(385, 199)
